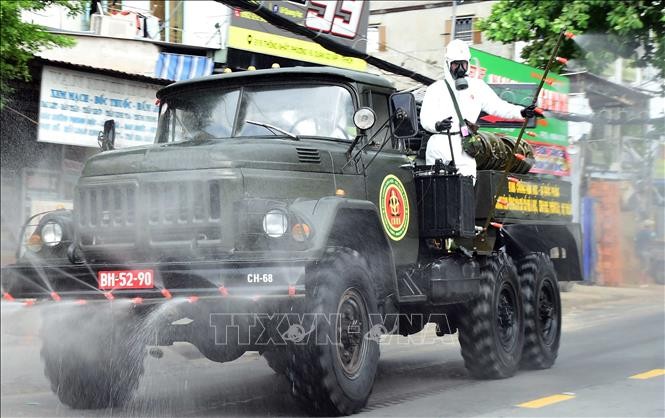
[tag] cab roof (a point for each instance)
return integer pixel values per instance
(280, 74)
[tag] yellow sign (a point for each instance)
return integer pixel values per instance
(530, 205)
(528, 197)
(544, 190)
(296, 49)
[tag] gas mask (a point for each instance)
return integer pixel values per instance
(458, 70)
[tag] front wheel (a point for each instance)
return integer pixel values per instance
(491, 327)
(542, 311)
(332, 372)
(92, 358)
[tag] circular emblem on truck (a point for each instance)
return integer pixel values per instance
(394, 207)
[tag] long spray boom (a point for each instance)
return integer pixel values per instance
(326, 42)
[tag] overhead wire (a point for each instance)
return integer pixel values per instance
(362, 37)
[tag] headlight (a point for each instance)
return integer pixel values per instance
(275, 223)
(51, 233)
(364, 118)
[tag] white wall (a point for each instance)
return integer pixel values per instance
(131, 56)
(415, 38)
(56, 17)
(199, 19)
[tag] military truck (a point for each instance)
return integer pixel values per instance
(286, 211)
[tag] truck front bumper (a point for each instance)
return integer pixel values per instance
(237, 280)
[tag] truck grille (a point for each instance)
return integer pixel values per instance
(182, 202)
(167, 212)
(107, 206)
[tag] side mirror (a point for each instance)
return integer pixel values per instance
(106, 138)
(403, 115)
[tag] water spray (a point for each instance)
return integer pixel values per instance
(166, 293)
(514, 156)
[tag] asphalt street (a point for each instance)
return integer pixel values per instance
(610, 364)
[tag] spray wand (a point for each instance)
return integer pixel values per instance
(514, 156)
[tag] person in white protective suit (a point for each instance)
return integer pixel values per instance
(438, 114)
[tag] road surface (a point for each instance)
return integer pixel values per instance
(610, 364)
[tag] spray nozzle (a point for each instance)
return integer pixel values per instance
(569, 35)
(562, 60)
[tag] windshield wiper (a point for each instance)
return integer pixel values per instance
(274, 129)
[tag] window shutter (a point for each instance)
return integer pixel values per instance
(477, 35)
(447, 36)
(382, 38)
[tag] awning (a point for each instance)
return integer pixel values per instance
(182, 67)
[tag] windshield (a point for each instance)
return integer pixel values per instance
(319, 111)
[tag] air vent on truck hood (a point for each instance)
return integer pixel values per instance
(309, 155)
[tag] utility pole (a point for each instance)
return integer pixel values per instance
(453, 20)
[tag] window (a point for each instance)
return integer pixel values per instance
(464, 28)
(380, 107)
(170, 14)
(376, 38)
(316, 110)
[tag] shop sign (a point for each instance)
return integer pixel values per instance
(344, 21)
(550, 159)
(74, 105)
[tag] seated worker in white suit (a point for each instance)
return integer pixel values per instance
(438, 114)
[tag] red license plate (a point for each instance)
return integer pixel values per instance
(126, 279)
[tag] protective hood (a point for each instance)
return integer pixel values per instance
(457, 50)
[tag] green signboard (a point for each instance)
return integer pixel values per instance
(517, 83)
(554, 95)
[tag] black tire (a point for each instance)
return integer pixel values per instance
(336, 379)
(278, 360)
(542, 311)
(491, 327)
(91, 361)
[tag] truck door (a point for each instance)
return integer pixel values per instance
(390, 185)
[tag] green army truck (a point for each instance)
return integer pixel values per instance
(286, 211)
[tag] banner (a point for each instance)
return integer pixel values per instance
(554, 95)
(550, 159)
(74, 105)
(344, 21)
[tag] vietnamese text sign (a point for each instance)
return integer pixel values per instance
(74, 105)
(344, 21)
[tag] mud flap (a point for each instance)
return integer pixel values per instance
(562, 243)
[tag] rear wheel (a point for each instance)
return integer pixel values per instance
(92, 358)
(332, 372)
(491, 327)
(542, 311)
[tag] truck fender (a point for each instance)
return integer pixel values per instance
(354, 224)
(561, 242)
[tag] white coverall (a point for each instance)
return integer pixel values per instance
(437, 105)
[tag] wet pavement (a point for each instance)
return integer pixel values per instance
(609, 335)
